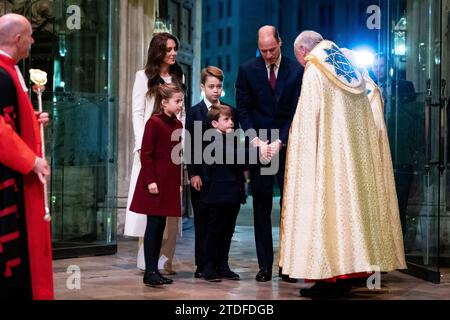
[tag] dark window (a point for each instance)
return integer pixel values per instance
(299, 19)
(228, 63)
(186, 25)
(208, 13)
(229, 8)
(206, 62)
(322, 14)
(362, 14)
(219, 62)
(220, 38)
(347, 14)
(331, 16)
(228, 35)
(207, 40)
(220, 10)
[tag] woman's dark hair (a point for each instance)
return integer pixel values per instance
(156, 53)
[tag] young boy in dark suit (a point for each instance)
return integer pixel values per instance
(196, 124)
(224, 192)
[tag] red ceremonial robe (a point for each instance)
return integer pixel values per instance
(19, 154)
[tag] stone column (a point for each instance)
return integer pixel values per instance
(197, 45)
(136, 29)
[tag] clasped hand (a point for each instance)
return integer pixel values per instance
(267, 151)
(43, 118)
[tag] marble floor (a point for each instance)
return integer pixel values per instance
(115, 277)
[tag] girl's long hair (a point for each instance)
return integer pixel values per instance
(165, 91)
(155, 56)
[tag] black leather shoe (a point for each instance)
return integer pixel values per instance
(327, 290)
(198, 273)
(226, 273)
(210, 274)
(211, 277)
(286, 278)
(165, 280)
(153, 279)
(263, 275)
(320, 290)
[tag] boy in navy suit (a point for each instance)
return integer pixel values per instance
(224, 190)
(196, 124)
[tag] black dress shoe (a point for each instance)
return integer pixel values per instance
(359, 282)
(198, 273)
(164, 279)
(320, 290)
(263, 275)
(327, 290)
(210, 274)
(153, 279)
(226, 273)
(212, 277)
(286, 278)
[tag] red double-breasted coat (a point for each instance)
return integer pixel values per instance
(160, 159)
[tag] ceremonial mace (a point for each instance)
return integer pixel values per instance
(39, 78)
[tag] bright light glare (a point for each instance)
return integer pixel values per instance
(364, 57)
(400, 50)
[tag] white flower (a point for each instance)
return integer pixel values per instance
(38, 77)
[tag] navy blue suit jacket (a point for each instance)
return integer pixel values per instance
(199, 112)
(225, 180)
(260, 108)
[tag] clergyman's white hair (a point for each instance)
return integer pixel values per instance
(308, 39)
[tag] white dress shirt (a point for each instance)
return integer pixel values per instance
(208, 103)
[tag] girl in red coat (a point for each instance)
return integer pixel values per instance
(157, 192)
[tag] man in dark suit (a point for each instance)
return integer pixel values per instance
(267, 91)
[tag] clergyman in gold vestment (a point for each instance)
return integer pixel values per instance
(338, 220)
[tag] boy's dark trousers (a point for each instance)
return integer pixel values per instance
(221, 223)
(200, 227)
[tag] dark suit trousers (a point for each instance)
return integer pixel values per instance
(200, 226)
(152, 241)
(262, 192)
(221, 224)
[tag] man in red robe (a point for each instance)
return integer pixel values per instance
(25, 242)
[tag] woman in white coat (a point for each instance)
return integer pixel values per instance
(161, 67)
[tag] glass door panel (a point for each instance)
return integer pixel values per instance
(408, 71)
(75, 45)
